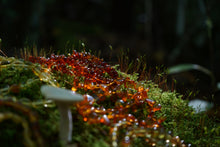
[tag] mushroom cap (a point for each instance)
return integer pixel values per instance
(200, 105)
(60, 94)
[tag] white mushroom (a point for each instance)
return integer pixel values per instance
(200, 105)
(63, 99)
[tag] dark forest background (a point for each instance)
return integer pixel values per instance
(167, 32)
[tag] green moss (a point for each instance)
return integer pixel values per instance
(197, 129)
(20, 81)
(11, 75)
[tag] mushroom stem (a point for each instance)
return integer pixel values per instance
(63, 99)
(65, 122)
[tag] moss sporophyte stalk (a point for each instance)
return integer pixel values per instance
(116, 110)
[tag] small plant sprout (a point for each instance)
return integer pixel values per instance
(63, 99)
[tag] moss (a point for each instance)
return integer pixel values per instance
(20, 81)
(197, 129)
(11, 75)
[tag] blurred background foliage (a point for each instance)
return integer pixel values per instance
(166, 32)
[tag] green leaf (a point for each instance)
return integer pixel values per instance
(188, 67)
